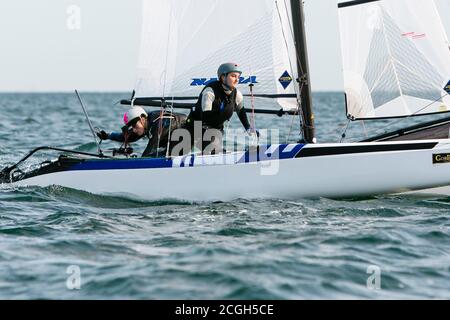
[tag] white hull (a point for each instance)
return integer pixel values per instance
(338, 175)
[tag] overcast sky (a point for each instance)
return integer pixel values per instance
(43, 50)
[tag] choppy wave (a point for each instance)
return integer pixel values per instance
(247, 249)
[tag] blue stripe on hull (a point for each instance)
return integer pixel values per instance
(141, 163)
(270, 152)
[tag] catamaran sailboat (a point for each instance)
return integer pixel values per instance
(396, 64)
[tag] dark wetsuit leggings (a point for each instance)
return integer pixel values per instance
(211, 141)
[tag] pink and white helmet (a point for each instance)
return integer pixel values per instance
(133, 114)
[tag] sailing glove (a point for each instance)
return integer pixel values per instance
(102, 135)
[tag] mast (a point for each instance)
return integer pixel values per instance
(298, 24)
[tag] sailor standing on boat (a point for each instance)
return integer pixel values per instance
(153, 125)
(216, 104)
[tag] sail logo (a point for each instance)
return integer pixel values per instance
(414, 35)
(441, 158)
(205, 81)
(285, 80)
(447, 88)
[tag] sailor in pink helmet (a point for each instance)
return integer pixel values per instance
(153, 125)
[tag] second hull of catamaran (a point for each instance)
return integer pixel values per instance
(277, 171)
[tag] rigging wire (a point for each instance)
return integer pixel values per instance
(292, 122)
(252, 99)
(300, 110)
(252, 125)
(170, 128)
(344, 134)
(290, 128)
(364, 128)
(163, 104)
(297, 55)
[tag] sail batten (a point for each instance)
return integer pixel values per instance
(396, 58)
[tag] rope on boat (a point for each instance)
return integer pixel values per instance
(170, 129)
(297, 56)
(344, 134)
(252, 99)
(298, 94)
(293, 118)
(163, 103)
(161, 116)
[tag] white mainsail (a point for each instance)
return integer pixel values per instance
(184, 42)
(396, 58)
